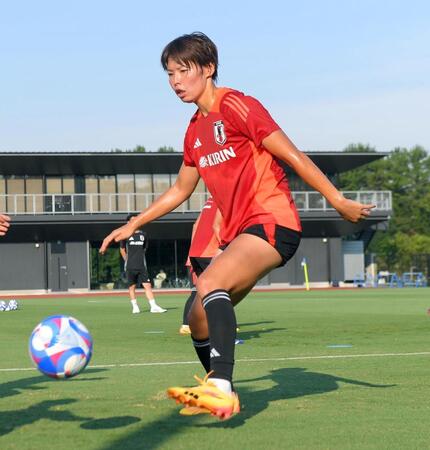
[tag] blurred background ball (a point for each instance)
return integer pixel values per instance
(60, 346)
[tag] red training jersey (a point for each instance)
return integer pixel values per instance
(204, 243)
(245, 180)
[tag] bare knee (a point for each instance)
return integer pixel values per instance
(206, 284)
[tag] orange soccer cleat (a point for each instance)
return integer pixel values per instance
(205, 399)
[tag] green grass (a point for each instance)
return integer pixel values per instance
(296, 391)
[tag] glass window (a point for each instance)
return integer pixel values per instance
(126, 197)
(15, 190)
(107, 185)
(161, 183)
(91, 190)
(53, 185)
(34, 191)
(143, 191)
(198, 198)
(2, 193)
(68, 185)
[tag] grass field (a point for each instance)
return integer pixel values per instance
(335, 369)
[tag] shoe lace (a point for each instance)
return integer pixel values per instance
(205, 378)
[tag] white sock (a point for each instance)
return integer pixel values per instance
(224, 385)
(133, 301)
(152, 303)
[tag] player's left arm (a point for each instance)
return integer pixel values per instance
(281, 146)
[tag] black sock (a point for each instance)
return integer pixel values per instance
(222, 332)
(203, 350)
(187, 307)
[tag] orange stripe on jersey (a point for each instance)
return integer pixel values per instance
(236, 109)
(219, 93)
(239, 104)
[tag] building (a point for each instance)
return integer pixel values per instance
(63, 204)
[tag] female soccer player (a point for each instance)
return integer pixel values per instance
(233, 143)
(204, 246)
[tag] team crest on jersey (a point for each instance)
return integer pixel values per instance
(219, 132)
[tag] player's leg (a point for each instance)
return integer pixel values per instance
(146, 283)
(185, 328)
(200, 341)
(132, 293)
(232, 273)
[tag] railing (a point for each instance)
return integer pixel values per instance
(46, 204)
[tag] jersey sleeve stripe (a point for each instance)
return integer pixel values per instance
(239, 103)
(235, 109)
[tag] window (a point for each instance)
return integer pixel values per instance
(198, 198)
(107, 185)
(2, 193)
(143, 191)
(91, 190)
(15, 185)
(126, 197)
(34, 191)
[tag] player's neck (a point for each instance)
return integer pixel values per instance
(207, 99)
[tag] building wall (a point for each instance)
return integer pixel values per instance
(67, 265)
(22, 266)
(323, 258)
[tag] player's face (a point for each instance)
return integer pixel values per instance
(189, 83)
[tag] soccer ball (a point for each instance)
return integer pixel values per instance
(13, 305)
(60, 346)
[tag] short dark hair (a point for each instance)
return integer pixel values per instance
(130, 216)
(195, 48)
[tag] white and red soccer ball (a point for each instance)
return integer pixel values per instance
(60, 346)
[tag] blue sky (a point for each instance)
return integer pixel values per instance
(86, 76)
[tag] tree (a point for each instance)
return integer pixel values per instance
(137, 149)
(406, 173)
(166, 149)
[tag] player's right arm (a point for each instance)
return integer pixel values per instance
(4, 224)
(187, 180)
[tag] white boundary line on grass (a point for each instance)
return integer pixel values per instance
(287, 358)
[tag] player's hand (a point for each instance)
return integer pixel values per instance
(354, 211)
(4, 224)
(119, 234)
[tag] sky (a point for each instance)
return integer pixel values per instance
(86, 75)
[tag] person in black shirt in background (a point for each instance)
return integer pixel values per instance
(133, 253)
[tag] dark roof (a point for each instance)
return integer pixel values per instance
(97, 163)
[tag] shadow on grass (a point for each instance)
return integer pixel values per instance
(30, 384)
(288, 383)
(255, 334)
(250, 324)
(50, 409)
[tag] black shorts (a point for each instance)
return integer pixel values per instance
(199, 264)
(138, 277)
(282, 239)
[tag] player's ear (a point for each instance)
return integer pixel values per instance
(209, 70)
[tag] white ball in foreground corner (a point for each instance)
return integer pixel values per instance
(60, 346)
